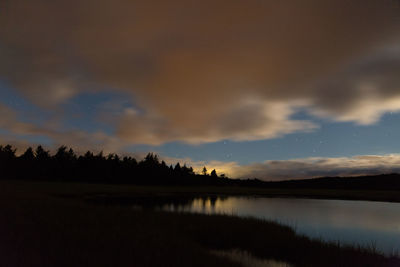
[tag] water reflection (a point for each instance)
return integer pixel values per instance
(164, 202)
(351, 222)
(205, 204)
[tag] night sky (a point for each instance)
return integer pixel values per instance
(255, 88)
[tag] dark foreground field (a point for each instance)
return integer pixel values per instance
(50, 224)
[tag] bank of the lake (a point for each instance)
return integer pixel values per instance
(46, 224)
(84, 189)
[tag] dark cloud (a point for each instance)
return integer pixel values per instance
(207, 70)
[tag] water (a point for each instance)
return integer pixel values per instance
(364, 223)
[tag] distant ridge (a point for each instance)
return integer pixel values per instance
(366, 182)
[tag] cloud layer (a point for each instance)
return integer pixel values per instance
(274, 170)
(203, 71)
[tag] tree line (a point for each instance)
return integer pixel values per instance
(66, 165)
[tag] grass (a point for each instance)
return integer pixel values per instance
(40, 228)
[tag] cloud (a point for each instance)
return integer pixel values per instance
(363, 91)
(202, 71)
(251, 120)
(313, 167)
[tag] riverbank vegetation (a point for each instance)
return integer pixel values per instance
(46, 224)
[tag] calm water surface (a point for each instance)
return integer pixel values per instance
(352, 222)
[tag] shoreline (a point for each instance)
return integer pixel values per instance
(69, 189)
(49, 226)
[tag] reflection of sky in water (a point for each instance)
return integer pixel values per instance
(350, 222)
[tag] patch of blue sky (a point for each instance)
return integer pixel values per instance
(87, 111)
(26, 138)
(26, 111)
(82, 112)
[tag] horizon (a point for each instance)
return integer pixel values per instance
(253, 89)
(197, 167)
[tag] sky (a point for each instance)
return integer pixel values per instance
(268, 89)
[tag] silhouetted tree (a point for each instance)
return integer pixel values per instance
(41, 154)
(99, 157)
(71, 154)
(26, 164)
(151, 159)
(7, 152)
(178, 168)
(214, 173)
(8, 162)
(110, 157)
(28, 154)
(164, 165)
(190, 171)
(62, 154)
(88, 155)
(204, 171)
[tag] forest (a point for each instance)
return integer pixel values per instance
(66, 165)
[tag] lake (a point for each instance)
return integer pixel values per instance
(366, 223)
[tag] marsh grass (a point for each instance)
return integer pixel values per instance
(39, 228)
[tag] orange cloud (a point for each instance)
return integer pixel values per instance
(203, 71)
